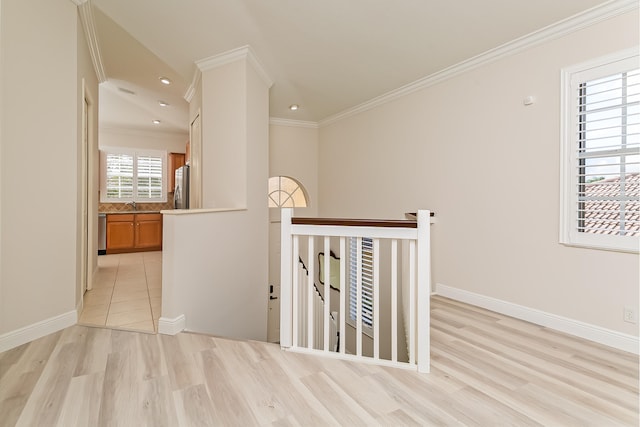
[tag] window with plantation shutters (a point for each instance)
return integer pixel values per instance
(367, 280)
(149, 177)
(130, 176)
(601, 154)
(119, 179)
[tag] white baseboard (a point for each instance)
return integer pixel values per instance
(37, 330)
(168, 326)
(580, 329)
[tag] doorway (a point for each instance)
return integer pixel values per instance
(273, 320)
(118, 291)
(284, 192)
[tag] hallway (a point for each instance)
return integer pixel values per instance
(127, 292)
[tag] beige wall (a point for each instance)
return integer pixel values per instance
(224, 133)
(469, 150)
(127, 138)
(39, 163)
(293, 152)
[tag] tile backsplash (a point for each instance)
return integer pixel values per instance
(124, 207)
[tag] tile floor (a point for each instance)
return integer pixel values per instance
(127, 292)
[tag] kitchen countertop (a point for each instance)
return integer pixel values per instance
(128, 212)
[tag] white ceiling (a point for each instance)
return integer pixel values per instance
(130, 97)
(327, 56)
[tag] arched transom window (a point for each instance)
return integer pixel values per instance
(285, 192)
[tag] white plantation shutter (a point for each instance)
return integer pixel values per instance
(602, 150)
(149, 177)
(119, 179)
(367, 280)
(133, 176)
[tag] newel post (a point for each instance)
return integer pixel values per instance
(286, 272)
(424, 291)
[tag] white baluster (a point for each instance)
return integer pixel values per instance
(376, 298)
(295, 255)
(310, 292)
(412, 302)
(394, 300)
(343, 293)
(327, 291)
(359, 296)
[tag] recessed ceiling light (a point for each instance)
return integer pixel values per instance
(163, 103)
(165, 80)
(156, 122)
(293, 107)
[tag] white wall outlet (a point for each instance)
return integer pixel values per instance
(630, 315)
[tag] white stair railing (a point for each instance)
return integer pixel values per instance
(317, 311)
(300, 335)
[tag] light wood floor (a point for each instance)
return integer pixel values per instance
(487, 370)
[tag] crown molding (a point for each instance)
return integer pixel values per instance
(276, 121)
(205, 64)
(195, 81)
(551, 32)
(244, 52)
(221, 59)
(88, 24)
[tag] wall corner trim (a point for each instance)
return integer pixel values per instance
(554, 31)
(37, 330)
(577, 328)
(173, 326)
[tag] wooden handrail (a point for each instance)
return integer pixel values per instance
(351, 222)
(347, 222)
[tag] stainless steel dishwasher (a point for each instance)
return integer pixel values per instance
(102, 234)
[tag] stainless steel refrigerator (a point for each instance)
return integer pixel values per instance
(181, 192)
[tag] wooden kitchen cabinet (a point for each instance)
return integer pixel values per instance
(120, 233)
(148, 233)
(134, 232)
(175, 161)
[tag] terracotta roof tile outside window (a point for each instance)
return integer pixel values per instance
(607, 216)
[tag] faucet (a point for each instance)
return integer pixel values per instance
(132, 204)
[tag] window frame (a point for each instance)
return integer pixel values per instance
(275, 190)
(135, 153)
(351, 318)
(569, 235)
